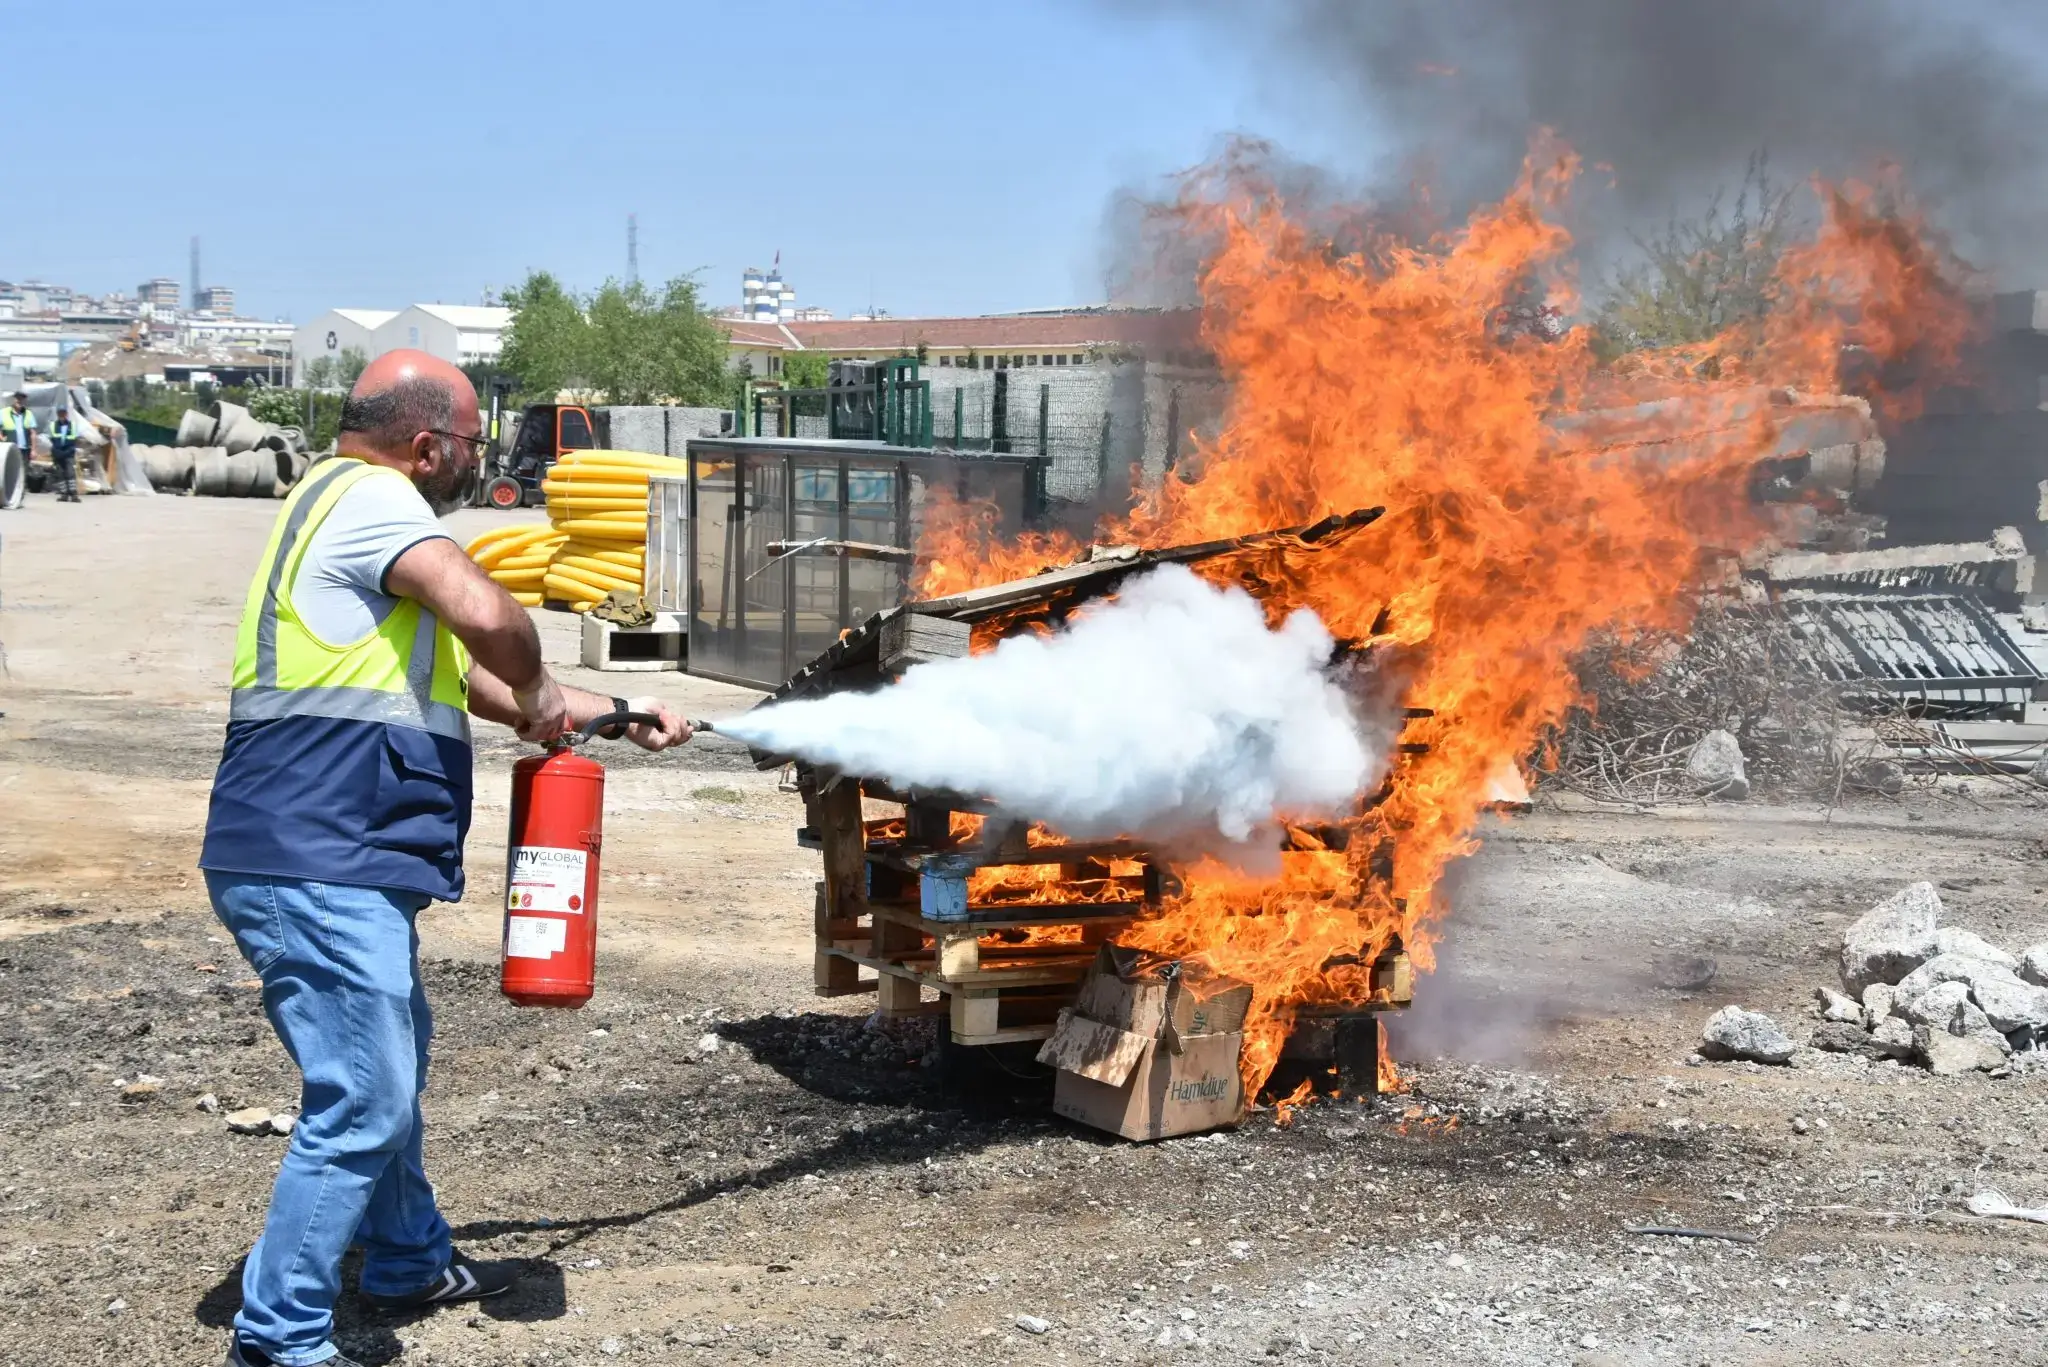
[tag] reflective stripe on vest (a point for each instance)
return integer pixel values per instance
(391, 676)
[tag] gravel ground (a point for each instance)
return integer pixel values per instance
(708, 1165)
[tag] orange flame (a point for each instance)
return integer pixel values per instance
(1410, 377)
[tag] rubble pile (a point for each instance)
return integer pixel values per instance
(1725, 712)
(1915, 991)
(1737, 709)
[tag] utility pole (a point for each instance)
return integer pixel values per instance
(632, 249)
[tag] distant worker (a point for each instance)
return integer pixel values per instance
(367, 643)
(64, 454)
(18, 431)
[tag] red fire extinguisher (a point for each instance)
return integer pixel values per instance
(557, 834)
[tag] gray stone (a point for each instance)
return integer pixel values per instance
(1836, 1007)
(1937, 1006)
(1715, 767)
(1956, 940)
(1949, 968)
(1032, 1324)
(1886, 776)
(1877, 1003)
(282, 1123)
(2034, 964)
(1892, 939)
(1733, 1033)
(1840, 1037)
(1949, 1055)
(2039, 773)
(1893, 1037)
(208, 1103)
(250, 1120)
(2011, 1004)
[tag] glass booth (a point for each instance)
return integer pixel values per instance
(777, 531)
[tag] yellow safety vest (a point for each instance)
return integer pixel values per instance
(410, 671)
(345, 761)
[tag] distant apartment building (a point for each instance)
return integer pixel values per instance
(160, 293)
(217, 300)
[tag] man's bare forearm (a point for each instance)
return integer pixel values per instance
(491, 699)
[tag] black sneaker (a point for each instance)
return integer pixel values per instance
(464, 1279)
(241, 1354)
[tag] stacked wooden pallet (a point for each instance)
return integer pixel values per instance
(898, 914)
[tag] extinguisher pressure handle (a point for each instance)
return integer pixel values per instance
(611, 719)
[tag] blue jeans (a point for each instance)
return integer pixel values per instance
(341, 985)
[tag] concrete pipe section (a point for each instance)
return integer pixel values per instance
(196, 428)
(220, 473)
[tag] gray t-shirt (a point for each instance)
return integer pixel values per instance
(339, 593)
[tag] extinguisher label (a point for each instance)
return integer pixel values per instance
(535, 937)
(546, 879)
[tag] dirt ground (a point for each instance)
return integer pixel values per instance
(710, 1165)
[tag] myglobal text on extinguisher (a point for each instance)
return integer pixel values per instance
(551, 872)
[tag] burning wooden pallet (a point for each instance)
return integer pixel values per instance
(919, 905)
(938, 902)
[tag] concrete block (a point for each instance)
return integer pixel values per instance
(657, 647)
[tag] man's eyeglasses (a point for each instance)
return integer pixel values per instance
(478, 441)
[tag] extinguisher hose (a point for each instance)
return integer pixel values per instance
(618, 719)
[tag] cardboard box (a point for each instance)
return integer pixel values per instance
(1150, 1047)
(1163, 1093)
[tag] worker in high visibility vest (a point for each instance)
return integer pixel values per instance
(64, 454)
(367, 643)
(18, 435)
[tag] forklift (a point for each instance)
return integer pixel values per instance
(510, 477)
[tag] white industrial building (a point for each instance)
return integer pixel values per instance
(334, 332)
(461, 333)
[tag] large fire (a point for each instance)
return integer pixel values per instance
(1407, 377)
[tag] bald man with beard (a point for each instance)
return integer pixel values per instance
(367, 643)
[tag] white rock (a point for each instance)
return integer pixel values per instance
(2034, 964)
(1892, 939)
(282, 1123)
(1836, 1007)
(1893, 1037)
(1948, 1055)
(707, 1044)
(1715, 767)
(1956, 940)
(1032, 1324)
(250, 1120)
(1937, 1006)
(2011, 1004)
(1877, 1003)
(1733, 1033)
(208, 1103)
(1948, 968)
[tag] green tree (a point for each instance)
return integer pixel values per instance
(284, 407)
(348, 368)
(649, 349)
(806, 369)
(320, 373)
(1701, 277)
(547, 346)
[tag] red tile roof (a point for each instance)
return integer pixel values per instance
(1159, 330)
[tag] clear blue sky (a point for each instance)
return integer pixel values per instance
(952, 157)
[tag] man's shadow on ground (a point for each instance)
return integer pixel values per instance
(987, 1090)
